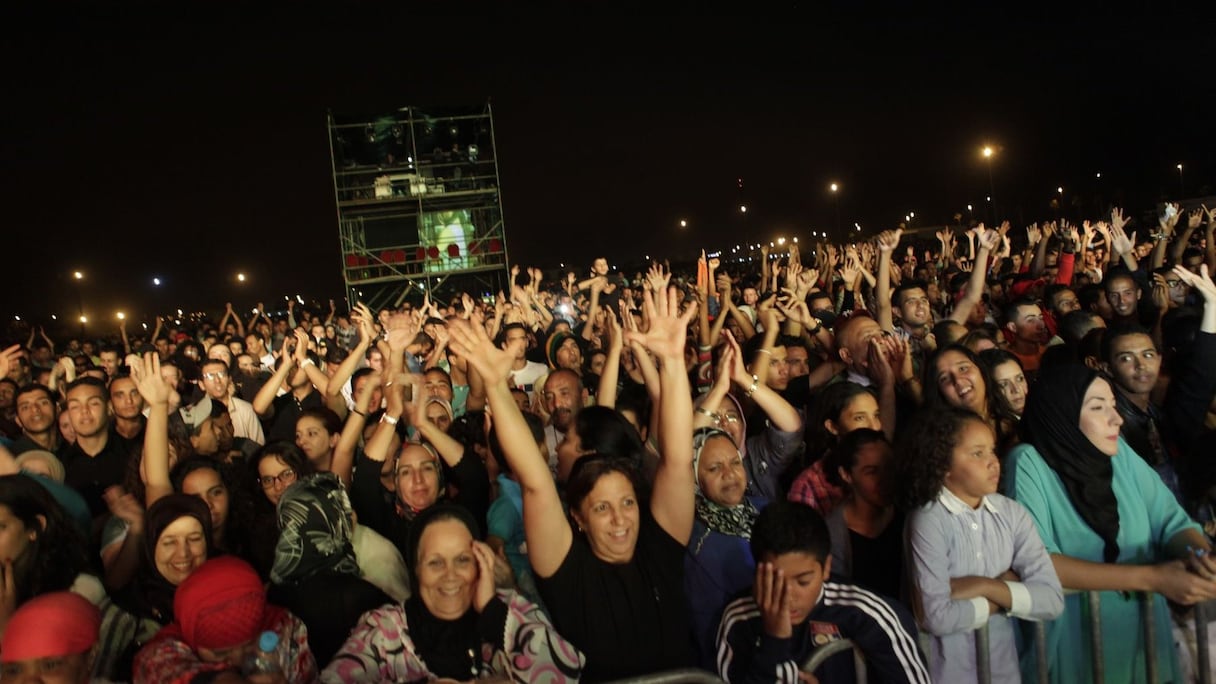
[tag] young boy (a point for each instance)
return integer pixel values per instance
(793, 610)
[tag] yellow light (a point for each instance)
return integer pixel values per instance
(78, 275)
(84, 319)
(683, 223)
(121, 315)
(834, 187)
(240, 277)
(987, 151)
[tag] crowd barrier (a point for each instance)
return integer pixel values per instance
(1203, 612)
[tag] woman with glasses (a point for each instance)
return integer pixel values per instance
(273, 469)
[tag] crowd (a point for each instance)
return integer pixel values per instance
(894, 442)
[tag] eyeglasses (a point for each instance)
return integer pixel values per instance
(1174, 283)
(215, 375)
(284, 478)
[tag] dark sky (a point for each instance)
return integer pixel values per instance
(188, 141)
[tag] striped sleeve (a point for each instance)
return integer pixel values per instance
(746, 654)
(884, 632)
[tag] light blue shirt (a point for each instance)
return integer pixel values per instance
(948, 539)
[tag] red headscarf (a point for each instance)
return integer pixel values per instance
(50, 625)
(220, 605)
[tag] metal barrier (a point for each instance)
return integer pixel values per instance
(821, 655)
(689, 675)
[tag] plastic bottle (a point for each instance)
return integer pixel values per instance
(266, 659)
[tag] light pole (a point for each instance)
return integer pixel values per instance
(988, 152)
(1181, 185)
(835, 188)
(79, 278)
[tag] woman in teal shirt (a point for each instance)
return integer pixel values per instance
(1109, 524)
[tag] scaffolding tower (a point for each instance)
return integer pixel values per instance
(419, 207)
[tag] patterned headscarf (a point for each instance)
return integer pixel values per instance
(734, 520)
(316, 531)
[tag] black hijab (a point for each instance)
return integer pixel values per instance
(450, 648)
(1051, 423)
(154, 593)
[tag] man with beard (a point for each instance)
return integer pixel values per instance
(1027, 333)
(564, 396)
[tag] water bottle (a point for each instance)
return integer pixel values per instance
(266, 659)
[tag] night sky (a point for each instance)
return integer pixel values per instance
(188, 141)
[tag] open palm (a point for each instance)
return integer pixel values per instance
(471, 342)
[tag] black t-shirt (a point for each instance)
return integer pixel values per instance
(282, 426)
(878, 562)
(627, 619)
(92, 475)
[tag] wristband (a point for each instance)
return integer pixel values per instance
(755, 386)
(764, 351)
(706, 412)
(359, 412)
(386, 418)
(307, 362)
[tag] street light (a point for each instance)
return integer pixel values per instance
(79, 277)
(683, 223)
(156, 282)
(988, 153)
(835, 188)
(240, 277)
(121, 316)
(743, 208)
(1181, 186)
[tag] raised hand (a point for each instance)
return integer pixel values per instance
(8, 358)
(807, 279)
(472, 342)
(1117, 221)
(1033, 234)
(888, 240)
(657, 278)
(402, 329)
(301, 351)
(1119, 240)
(1194, 218)
(989, 239)
(1161, 293)
(1170, 219)
(668, 327)
(152, 387)
(1201, 281)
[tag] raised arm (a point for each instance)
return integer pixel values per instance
(344, 452)
(264, 400)
(548, 534)
(155, 392)
(605, 395)
(362, 318)
(887, 241)
(316, 376)
(673, 500)
(988, 240)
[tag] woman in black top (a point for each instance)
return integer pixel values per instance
(614, 589)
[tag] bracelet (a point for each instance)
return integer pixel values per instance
(707, 413)
(764, 351)
(307, 362)
(817, 328)
(386, 418)
(755, 386)
(359, 412)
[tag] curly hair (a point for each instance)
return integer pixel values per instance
(56, 554)
(926, 452)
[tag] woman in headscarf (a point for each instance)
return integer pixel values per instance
(221, 611)
(455, 624)
(315, 557)
(1110, 525)
(422, 469)
(177, 540)
(719, 563)
(768, 453)
(51, 636)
